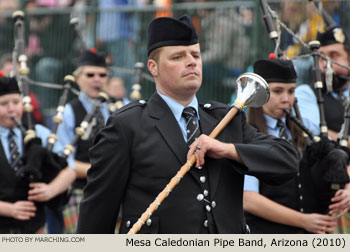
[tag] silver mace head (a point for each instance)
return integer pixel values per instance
(252, 91)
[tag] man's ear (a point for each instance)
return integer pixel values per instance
(152, 67)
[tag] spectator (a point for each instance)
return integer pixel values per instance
(51, 63)
(116, 90)
(225, 52)
(118, 31)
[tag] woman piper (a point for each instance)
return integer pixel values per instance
(279, 209)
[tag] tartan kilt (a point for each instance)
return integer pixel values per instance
(343, 224)
(71, 211)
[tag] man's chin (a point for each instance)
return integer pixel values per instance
(93, 95)
(9, 125)
(193, 85)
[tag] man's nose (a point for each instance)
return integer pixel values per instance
(191, 61)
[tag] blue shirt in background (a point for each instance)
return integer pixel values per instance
(66, 130)
(308, 106)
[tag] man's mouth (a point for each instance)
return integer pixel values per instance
(191, 74)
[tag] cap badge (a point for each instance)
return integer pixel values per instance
(338, 35)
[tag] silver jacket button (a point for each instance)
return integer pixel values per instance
(202, 179)
(128, 224)
(208, 208)
(207, 105)
(149, 222)
(205, 224)
(213, 204)
(206, 192)
(200, 197)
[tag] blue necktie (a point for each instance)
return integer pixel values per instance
(192, 127)
(283, 130)
(14, 152)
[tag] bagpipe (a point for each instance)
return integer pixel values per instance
(38, 164)
(57, 119)
(323, 167)
(81, 130)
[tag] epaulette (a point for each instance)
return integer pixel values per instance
(212, 105)
(133, 104)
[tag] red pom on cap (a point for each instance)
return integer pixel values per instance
(272, 56)
(1, 74)
(93, 50)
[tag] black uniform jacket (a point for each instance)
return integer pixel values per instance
(13, 189)
(142, 148)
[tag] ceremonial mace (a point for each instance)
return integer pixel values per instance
(252, 91)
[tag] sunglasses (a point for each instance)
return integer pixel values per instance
(91, 75)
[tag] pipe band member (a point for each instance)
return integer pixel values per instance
(91, 76)
(280, 209)
(146, 142)
(22, 202)
(335, 44)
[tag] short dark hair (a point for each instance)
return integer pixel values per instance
(154, 55)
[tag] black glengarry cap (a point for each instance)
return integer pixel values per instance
(166, 31)
(276, 70)
(332, 36)
(8, 86)
(92, 58)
